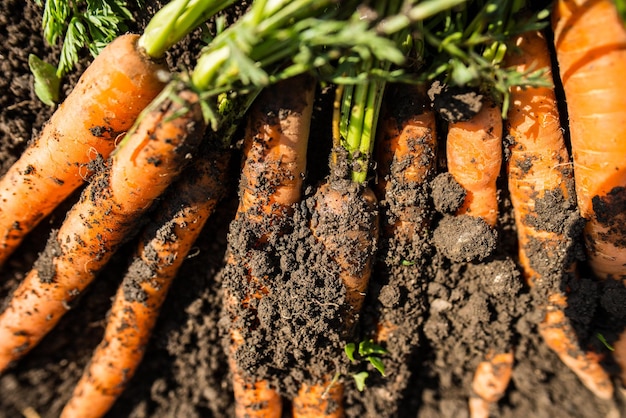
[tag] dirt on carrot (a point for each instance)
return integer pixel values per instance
(184, 372)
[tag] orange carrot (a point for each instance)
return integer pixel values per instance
(271, 182)
(539, 170)
(406, 152)
(491, 379)
(591, 67)
(144, 165)
(474, 155)
(119, 83)
(164, 244)
(325, 399)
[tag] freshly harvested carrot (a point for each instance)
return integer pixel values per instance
(271, 182)
(539, 171)
(110, 94)
(126, 76)
(145, 163)
(474, 155)
(163, 247)
(406, 144)
(590, 41)
(491, 379)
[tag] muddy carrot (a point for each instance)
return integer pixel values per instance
(271, 182)
(163, 247)
(490, 381)
(474, 155)
(115, 88)
(345, 221)
(590, 42)
(540, 177)
(146, 162)
(406, 144)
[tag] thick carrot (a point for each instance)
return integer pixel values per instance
(271, 182)
(539, 171)
(110, 94)
(144, 165)
(163, 247)
(590, 41)
(491, 379)
(474, 155)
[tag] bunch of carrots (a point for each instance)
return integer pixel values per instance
(147, 139)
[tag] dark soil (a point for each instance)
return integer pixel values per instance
(449, 313)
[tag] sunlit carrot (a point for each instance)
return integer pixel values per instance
(590, 41)
(539, 175)
(271, 182)
(120, 82)
(163, 247)
(474, 156)
(127, 75)
(146, 162)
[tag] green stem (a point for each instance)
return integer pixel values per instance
(174, 21)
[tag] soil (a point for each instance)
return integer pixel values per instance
(449, 311)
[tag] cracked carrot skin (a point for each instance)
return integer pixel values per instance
(538, 167)
(163, 247)
(141, 169)
(275, 147)
(590, 43)
(474, 155)
(103, 105)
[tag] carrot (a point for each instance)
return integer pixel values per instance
(539, 171)
(345, 221)
(146, 162)
(271, 181)
(490, 381)
(590, 44)
(126, 76)
(406, 161)
(474, 155)
(119, 83)
(164, 244)
(326, 398)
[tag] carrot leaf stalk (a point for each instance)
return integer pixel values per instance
(467, 47)
(175, 20)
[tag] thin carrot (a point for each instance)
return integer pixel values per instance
(491, 379)
(539, 171)
(119, 83)
(146, 162)
(126, 76)
(590, 41)
(406, 143)
(474, 155)
(163, 247)
(271, 182)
